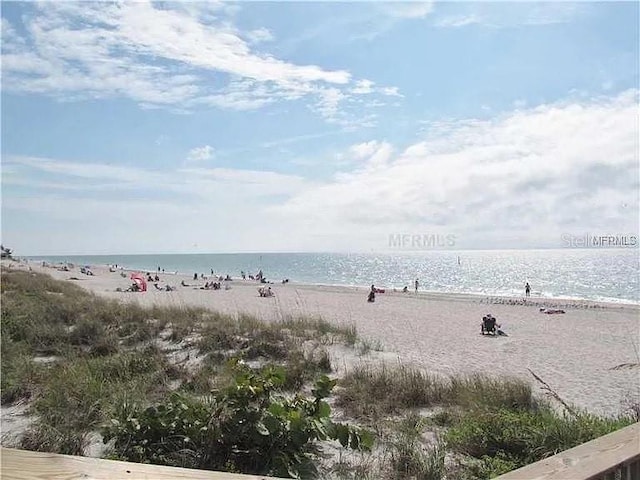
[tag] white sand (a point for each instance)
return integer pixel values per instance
(574, 353)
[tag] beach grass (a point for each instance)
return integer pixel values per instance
(75, 356)
(388, 389)
(78, 360)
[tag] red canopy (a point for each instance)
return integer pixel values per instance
(140, 281)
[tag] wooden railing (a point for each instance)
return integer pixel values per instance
(615, 456)
(26, 465)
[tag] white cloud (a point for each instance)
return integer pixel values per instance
(458, 21)
(364, 150)
(509, 14)
(259, 35)
(531, 173)
(200, 154)
(534, 173)
(363, 87)
(329, 102)
(408, 9)
(181, 56)
(391, 92)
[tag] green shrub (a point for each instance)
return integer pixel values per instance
(21, 376)
(507, 439)
(246, 428)
(409, 457)
(390, 389)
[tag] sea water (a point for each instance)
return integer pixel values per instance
(594, 274)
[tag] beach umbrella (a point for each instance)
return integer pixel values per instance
(140, 281)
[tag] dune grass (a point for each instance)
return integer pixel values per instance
(79, 360)
(492, 425)
(373, 391)
(98, 353)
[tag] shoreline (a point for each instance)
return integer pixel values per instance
(489, 298)
(588, 355)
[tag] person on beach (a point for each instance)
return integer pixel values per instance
(417, 284)
(527, 290)
(372, 294)
(405, 289)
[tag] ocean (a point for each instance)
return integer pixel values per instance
(594, 274)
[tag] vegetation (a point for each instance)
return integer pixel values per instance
(83, 362)
(195, 388)
(248, 427)
(491, 425)
(373, 392)
(502, 440)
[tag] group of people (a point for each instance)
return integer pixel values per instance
(265, 292)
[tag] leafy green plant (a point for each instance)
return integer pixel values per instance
(248, 427)
(504, 439)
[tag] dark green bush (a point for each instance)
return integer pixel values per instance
(508, 439)
(246, 427)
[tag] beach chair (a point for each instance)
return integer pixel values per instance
(488, 325)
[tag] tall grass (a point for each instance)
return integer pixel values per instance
(388, 389)
(502, 439)
(410, 457)
(102, 352)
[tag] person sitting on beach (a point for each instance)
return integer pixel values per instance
(251, 277)
(265, 292)
(488, 324)
(169, 288)
(157, 287)
(551, 311)
(405, 289)
(157, 279)
(184, 284)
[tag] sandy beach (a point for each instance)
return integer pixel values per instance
(589, 355)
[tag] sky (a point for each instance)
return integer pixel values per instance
(205, 127)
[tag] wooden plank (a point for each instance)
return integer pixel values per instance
(27, 465)
(589, 461)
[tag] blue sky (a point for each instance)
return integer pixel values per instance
(280, 126)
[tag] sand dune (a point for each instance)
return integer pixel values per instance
(588, 355)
